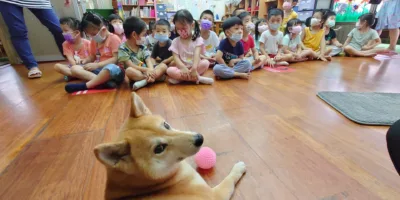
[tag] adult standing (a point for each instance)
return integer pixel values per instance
(12, 12)
(389, 18)
(393, 144)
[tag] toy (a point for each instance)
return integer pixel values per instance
(205, 158)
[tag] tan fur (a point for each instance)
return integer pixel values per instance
(135, 171)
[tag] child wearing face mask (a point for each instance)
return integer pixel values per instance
(116, 26)
(249, 46)
(139, 66)
(99, 69)
(260, 27)
(230, 54)
(186, 50)
(150, 39)
(173, 31)
(160, 53)
(270, 40)
(210, 38)
(362, 40)
(75, 47)
(330, 34)
(313, 37)
(291, 43)
(288, 13)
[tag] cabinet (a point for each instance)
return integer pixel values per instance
(145, 9)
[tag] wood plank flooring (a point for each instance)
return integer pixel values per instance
(295, 145)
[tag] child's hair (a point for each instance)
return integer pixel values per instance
(72, 22)
(90, 19)
(133, 24)
(256, 31)
(322, 17)
(308, 22)
(230, 22)
(207, 12)
(110, 19)
(327, 13)
(184, 16)
(234, 13)
(369, 17)
(254, 18)
(275, 12)
(243, 15)
(163, 22)
(291, 23)
(152, 25)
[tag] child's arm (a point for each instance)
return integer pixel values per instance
(168, 60)
(71, 60)
(322, 49)
(255, 53)
(179, 63)
(92, 66)
(347, 42)
(336, 42)
(196, 60)
(376, 42)
(149, 63)
(262, 49)
(218, 58)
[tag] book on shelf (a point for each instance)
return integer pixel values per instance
(145, 12)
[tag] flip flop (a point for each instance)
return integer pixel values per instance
(34, 73)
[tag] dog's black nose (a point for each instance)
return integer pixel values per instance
(198, 140)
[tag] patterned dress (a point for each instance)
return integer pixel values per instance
(389, 15)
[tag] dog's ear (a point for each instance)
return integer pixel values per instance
(138, 108)
(111, 154)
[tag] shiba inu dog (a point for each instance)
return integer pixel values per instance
(147, 162)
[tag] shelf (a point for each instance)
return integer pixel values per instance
(134, 6)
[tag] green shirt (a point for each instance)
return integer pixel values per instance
(125, 53)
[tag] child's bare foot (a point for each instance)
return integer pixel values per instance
(243, 75)
(328, 58)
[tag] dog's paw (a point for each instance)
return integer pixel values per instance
(238, 170)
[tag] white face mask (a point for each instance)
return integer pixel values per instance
(141, 41)
(314, 21)
(118, 28)
(98, 37)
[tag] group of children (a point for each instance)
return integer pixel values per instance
(120, 49)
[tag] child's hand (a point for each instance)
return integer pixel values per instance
(270, 62)
(193, 75)
(365, 47)
(185, 73)
(257, 60)
(158, 59)
(83, 62)
(91, 66)
(339, 45)
(322, 57)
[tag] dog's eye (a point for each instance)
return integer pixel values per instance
(167, 126)
(160, 148)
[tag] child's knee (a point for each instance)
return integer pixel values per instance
(347, 48)
(162, 67)
(57, 67)
(76, 69)
(204, 63)
(245, 64)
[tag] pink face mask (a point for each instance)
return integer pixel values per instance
(296, 29)
(287, 5)
(184, 34)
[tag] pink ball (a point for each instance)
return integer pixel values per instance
(205, 158)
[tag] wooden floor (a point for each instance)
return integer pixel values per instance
(295, 145)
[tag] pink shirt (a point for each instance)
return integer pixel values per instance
(249, 44)
(83, 51)
(186, 51)
(106, 49)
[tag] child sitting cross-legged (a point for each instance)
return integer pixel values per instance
(210, 38)
(99, 69)
(75, 48)
(291, 43)
(186, 50)
(270, 40)
(133, 54)
(362, 40)
(249, 46)
(230, 54)
(160, 53)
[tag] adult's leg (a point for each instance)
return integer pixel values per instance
(393, 144)
(49, 19)
(14, 17)
(394, 36)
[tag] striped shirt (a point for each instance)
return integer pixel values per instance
(38, 4)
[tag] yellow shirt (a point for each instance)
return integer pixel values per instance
(313, 40)
(292, 15)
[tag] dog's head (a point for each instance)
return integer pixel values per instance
(147, 146)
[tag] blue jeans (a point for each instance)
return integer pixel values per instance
(14, 17)
(225, 72)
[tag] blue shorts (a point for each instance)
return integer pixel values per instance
(117, 73)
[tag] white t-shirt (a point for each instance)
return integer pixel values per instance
(211, 43)
(271, 42)
(36, 4)
(291, 43)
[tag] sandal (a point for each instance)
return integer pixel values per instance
(34, 73)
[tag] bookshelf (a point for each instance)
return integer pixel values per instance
(265, 5)
(145, 9)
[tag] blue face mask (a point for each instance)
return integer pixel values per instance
(161, 37)
(98, 37)
(274, 26)
(236, 37)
